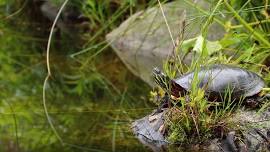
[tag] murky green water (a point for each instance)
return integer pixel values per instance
(91, 107)
(90, 121)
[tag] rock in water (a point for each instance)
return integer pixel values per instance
(70, 19)
(255, 131)
(150, 131)
(143, 42)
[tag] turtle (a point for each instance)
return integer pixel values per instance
(216, 80)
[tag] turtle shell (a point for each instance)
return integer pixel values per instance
(219, 79)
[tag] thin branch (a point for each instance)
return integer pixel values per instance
(49, 74)
(16, 12)
(165, 19)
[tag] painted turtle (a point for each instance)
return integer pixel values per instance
(216, 80)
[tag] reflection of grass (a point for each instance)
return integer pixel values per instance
(84, 94)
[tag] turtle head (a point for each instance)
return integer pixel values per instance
(161, 79)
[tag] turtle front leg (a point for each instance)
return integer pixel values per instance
(266, 97)
(252, 102)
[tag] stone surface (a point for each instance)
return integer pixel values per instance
(255, 128)
(70, 21)
(148, 131)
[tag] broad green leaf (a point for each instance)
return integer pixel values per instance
(213, 46)
(197, 45)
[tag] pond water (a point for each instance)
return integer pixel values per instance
(88, 121)
(91, 107)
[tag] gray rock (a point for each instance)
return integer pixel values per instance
(142, 42)
(149, 130)
(70, 18)
(255, 128)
